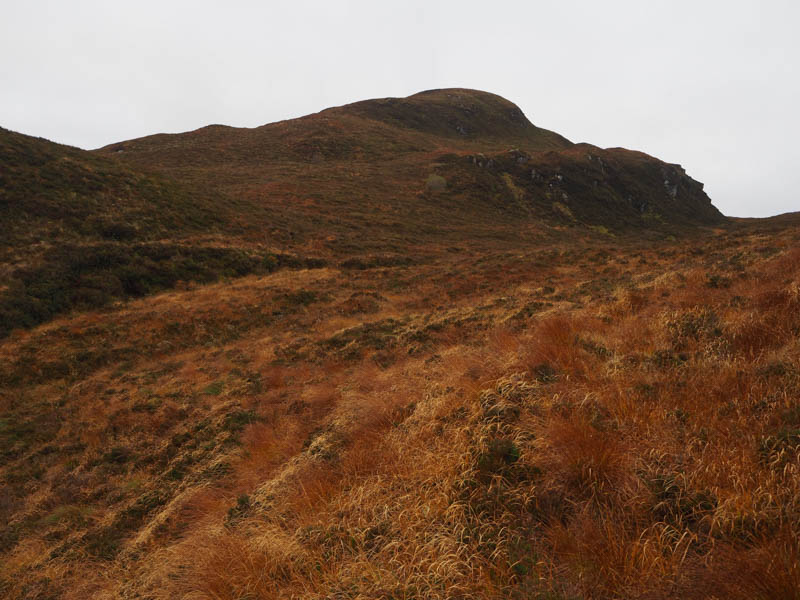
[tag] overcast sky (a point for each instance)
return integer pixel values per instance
(713, 85)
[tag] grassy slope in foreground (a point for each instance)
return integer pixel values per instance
(571, 421)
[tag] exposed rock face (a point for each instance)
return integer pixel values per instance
(614, 188)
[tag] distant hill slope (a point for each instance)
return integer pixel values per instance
(382, 152)
(367, 130)
(51, 192)
(376, 182)
(80, 230)
(457, 113)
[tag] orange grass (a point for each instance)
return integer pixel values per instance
(641, 443)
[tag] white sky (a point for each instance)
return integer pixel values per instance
(713, 85)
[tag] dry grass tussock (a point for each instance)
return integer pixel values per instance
(615, 437)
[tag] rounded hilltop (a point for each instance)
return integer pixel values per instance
(455, 112)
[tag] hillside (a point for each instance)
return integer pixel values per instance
(404, 348)
(369, 174)
(81, 231)
(378, 181)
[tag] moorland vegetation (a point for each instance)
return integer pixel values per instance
(279, 363)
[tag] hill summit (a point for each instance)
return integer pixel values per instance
(457, 112)
(493, 158)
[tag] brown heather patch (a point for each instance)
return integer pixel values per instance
(507, 431)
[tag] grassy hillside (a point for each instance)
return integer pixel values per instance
(81, 231)
(362, 174)
(578, 420)
(405, 348)
(50, 193)
(380, 180)
(372, 129)
(458, 114)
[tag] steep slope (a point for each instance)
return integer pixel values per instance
(346, 167)
(460, 114)
(80, 231)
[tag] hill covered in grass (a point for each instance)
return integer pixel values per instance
(81, 231)
(404, 348)
(442, 164)
(51, 193)
(374, 182)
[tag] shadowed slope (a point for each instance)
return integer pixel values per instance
(459, 113)
(80, 230)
